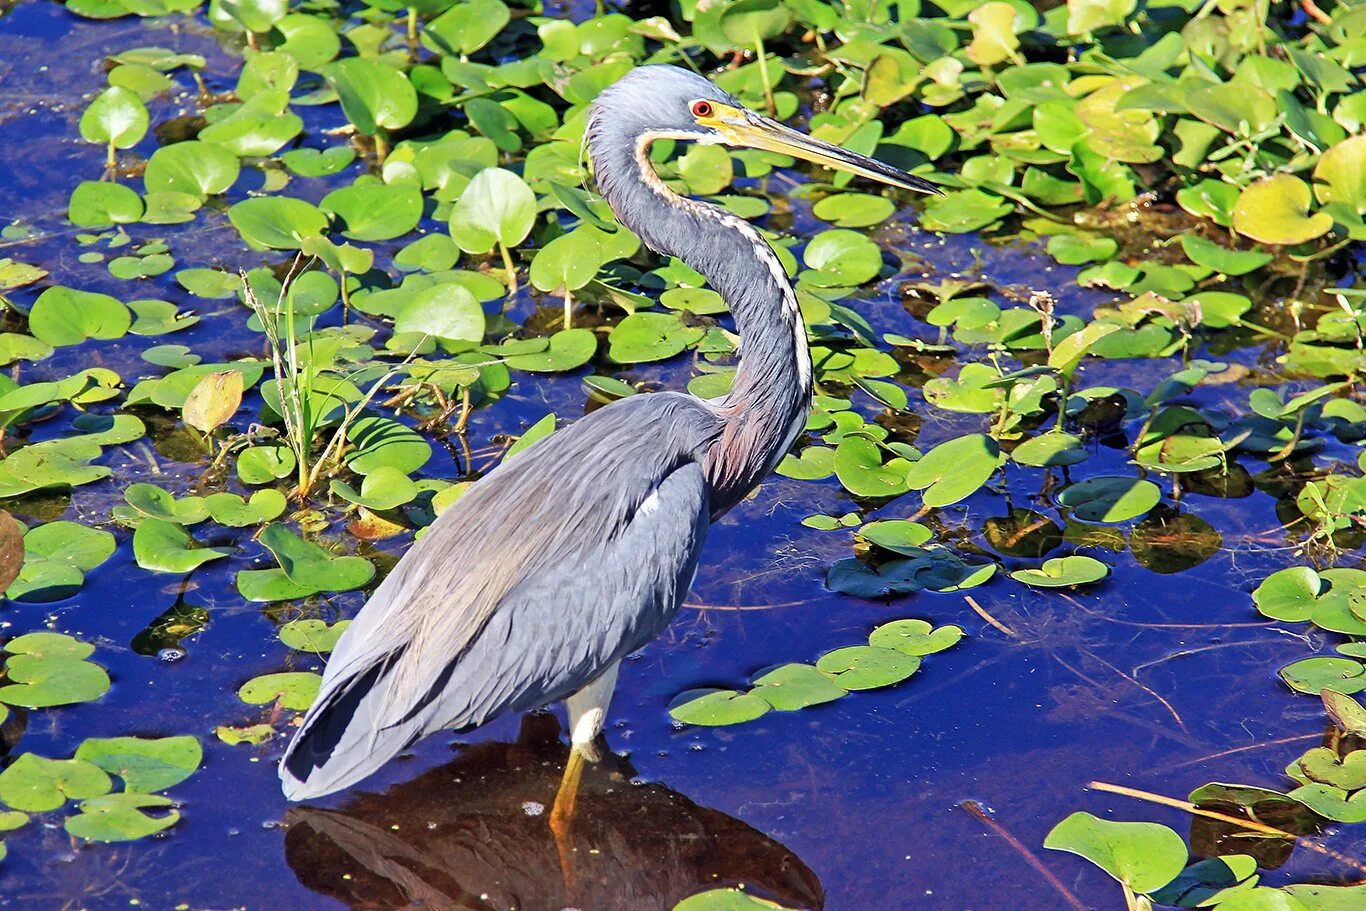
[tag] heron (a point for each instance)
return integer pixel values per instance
(533, 586)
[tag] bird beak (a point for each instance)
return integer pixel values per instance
(739, 127)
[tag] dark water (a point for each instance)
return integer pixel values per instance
(849, 806)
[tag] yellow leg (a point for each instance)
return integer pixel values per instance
(562, 814)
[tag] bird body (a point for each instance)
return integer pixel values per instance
(533, 586)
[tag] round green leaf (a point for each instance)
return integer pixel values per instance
(796, 686)
(200, 169)
(116, 117)
(146, 764)
(866, 667)
(1144, 855)
(276, 222)
(1110, 498)
(716, 708)
(99, 204)
(373, 96)
(497, 207)
(1274, 210)
(293, 690)
(1063, 571)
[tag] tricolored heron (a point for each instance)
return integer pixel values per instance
(539, 580)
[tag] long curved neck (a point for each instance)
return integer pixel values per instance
(769, 400)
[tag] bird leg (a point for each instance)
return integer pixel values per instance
(587, 712)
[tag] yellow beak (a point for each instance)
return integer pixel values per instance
(740, 127)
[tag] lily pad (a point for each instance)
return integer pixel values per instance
(1275, 210)
(716, 708)
(166, 547)
(1110, 498)
(314, 636)
(121, 817)
(866, 667)
(796, 686)
(36, 784)
(1142, 855)
(1061, 572)
(145, 764)
(292, 690)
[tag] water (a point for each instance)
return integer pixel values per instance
(1142, 681)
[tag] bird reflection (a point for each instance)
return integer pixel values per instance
(474, 835)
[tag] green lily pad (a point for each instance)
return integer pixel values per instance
(961, 211)
(865, 667)
(1143, 855)
(99, 204)
(201, 169)
(644, 337)
(841, 258)
(292, 690)
(121, 817)
(145, 764)
(955, 470)
(915, 637)
(566, 350)
(496, 208)
(314, 636)
(1274, 210)
(1063, 572)
(1204, 252)
(166, 547)
(1110, 498)
(373, 96)
(382, 441)
(305, 569)
(235, 512)
(716, 708)
(1314, 675)
(64, 316)
(1290, 594)
(859, 467)
(1049, 450)
(36, 784)
(263, 464)
(376, 211)
(276, 222)
(382, 489)
(897, 535)
(117, 117)
(796, 686)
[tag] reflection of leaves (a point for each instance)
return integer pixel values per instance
(1168, 542)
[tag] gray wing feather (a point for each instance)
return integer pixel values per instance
(558, 563)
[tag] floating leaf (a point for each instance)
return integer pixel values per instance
(915, 637)
(64, 316)
(955, 470)
(35, 784)
(121, 817)
(145, 764)
(865, 667)
(1142, 855)
(1274, 210)
(715, 708)
(213, 401)
(314, 636)
(116, 118)
(166, 547)
(373, 96)
(1110, 499)
(293, 690)
(496, 208)
(1063, 571)
(796, 686)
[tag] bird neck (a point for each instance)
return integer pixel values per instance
(768, 402)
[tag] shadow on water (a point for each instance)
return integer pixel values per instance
(474, 834)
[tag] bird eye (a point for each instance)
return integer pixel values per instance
(701, 108)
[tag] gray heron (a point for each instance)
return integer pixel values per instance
(534, 585)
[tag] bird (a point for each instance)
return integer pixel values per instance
(562, 561)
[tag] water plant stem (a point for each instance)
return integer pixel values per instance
(763, 74)
(980, 814)
(508, 268)
(1239, 821)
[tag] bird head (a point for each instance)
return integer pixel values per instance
(668, 102)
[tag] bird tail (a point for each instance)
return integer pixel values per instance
(344, 737)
